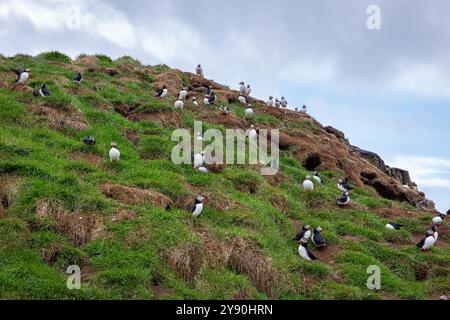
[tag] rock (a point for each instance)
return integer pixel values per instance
(400, 175)
(337, 133)
(372, 157)
(135, 196)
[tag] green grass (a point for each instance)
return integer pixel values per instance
(128, 260)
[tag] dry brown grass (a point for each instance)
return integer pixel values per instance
(135, 196)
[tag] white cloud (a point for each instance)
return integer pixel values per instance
(425, 171)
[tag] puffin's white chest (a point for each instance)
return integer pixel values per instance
(249, 113)
(308, 185)
(269, 103)
(242, 100)
(341, 187)
(390, 227)
(437, 221)
(303, 253)
(429, 242)
(206, 101)
(183, 94)
(198, 209)
(24, 77)
(179, 104)
(164, 93)
(317, 179)
(114, 154)
(195, 103)
(307, 234)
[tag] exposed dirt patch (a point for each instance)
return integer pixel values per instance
(59, 119)
(276, 179)
(230, 121)
(187, 260)
(160, 291)
(396, 213)
(9, 187)
(123, 214)
(173, 79)
(328, 254)
(135, 196)
(86, 157)
(79, 227)
(280, 202)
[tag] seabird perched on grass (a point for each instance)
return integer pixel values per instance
(212, 97)
(249, 112)
(199, 70)
(269, 102)
(317, 239)
(343, 185)
(44, 91)
(194, 101)
(183, 94)
(317, 178)
(344, 200)
(303, 109)
(427, 242)
(308, 185)
(89, 140)
(197, 208)
(78, 78)
(161, 93)
(179, 104)
(304, 232)
(114, 153)
(224, 110)
(304, 251)
(242, 99)
(393, 226)
(252, 133)
(22, 75)
(283, 102)
(437, 220)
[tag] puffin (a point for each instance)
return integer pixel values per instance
(439, 219)
(296, 109)
(242, 99)
(248, 90)
(208, 90)
(78, 78)
(194, 101)
(212, 98)
(197, 208)
(249, 112)
(199, 159)
(206, 100)
(393, 226)
(343, 185)
(277, 103)
(89, 140)
(269, 102)
(344, 200)
(179, 104)
(183, 94)
(283, 102)
(304, 233)
(317, 239)
(224, 110)
(308, 185)
(317, 178)
(44, 91)
(304, 251)
(252, 133)
(161, 93)
(22, 75)
(203, 170)
(303, 109)
(114, 153)
(242, 88)
(427, 242)
(199, 70)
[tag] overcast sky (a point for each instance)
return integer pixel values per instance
(387, 89)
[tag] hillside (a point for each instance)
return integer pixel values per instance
(126, 225)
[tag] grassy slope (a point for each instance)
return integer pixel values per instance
(123, 263)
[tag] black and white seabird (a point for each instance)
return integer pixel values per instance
(212, 98)
(89, 140)
(308, 185)
(344, 200)
(393, 226)
(343, 185)
(194, 101)
(439, 219)
(161, 93)
(317, 178)
(242, 88)
(224, 110)
(427, 242)
(197, 208)
(283, 102)
(22, 75)
(304, 251)
(114, 153)
(248, 90)
(44, 91)
(317, 239)
(249, 112)
(199, 70)
(183, 94)
(303, 109)
(208, 90)
(269, 102)
(78, 78)
(304, 232)
(277, 103)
